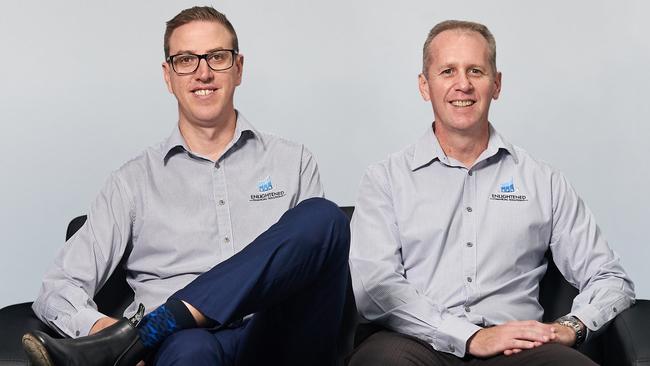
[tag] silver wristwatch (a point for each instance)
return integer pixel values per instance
(576, 325)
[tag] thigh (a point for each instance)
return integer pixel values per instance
(551, 354)
(195, 347)
(388, 348)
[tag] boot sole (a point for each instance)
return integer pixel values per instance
(35, 351)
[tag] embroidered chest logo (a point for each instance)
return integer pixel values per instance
(508, 192)
(266, 192)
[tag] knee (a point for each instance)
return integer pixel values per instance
(325, 211)
(392, 349)
(323, 220)
(557, 354)
(190, 347)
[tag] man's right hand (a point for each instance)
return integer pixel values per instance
(102, 323)
(511, 338)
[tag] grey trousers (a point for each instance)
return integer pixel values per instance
(388, 348)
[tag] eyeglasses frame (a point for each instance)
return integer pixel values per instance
(170, 60)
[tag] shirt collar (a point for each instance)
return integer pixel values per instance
(243, 130)
(428, 149)
(497, 143)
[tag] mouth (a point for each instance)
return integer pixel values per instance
(462, 103)
(203, 92)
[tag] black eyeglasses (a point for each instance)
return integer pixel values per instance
(188, 63)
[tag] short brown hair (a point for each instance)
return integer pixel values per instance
(465, 26)
(199, 13)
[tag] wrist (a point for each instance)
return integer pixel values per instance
(469, 341)
(575, 325)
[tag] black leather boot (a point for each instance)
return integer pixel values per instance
(117, 345)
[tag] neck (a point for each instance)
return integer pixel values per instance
(464, 146)
(208, 141)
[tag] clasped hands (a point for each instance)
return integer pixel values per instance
(515, 336)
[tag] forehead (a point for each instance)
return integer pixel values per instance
(459, 46)
(199, 36)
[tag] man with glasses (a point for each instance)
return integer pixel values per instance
(230, 246)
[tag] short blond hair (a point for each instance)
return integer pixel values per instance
(462, 25)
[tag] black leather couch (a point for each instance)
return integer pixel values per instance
(625, 342)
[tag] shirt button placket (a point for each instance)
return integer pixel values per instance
(223, 210)
(469, 234)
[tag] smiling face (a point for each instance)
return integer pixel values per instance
(205, 98)
(460, 83)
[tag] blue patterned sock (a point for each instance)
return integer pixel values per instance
(164, 321)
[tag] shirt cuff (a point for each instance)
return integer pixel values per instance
(591, 317)
(81, 322)
(454, 333)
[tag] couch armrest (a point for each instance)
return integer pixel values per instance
(16, 320)
(628, 339)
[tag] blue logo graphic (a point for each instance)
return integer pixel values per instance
(508, 187)
(265, 184)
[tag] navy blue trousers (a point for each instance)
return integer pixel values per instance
(293, 277)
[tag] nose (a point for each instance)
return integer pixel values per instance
(464, 83)
(203, 72)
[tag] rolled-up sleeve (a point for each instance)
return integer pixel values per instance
(85, 263)
(383, 294)
(585, 259)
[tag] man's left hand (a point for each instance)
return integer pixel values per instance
(563, 335)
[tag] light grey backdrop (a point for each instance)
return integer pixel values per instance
(81, 92)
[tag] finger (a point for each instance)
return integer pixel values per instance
(509, 352)
(521, 343)
(536, 334)
(530, 335)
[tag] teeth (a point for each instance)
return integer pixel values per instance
(462, 103)
(203, 92)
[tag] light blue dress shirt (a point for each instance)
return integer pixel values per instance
(183, 213)
(439, 251)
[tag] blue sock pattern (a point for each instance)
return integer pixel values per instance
(156, 326)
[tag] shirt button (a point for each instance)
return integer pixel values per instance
(467, 309)
(77, 333)
(226, 239)
(594, 323)
(469, 172)
(614, 309)
(468, 209)
(56, 317)
(222, 202)
(469, 244)
(469, 279)
(452, 348)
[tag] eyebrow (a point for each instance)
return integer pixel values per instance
(455, 65)
(181, 52)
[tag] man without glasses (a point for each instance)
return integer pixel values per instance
(229, 242)
(449, 235)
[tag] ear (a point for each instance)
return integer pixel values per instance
(423, 84)
(497, 86)
(167, 70)
(239, 65)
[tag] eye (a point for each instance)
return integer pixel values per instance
(184, 59)
(217, 57)
(475, 71)
(446, 72)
